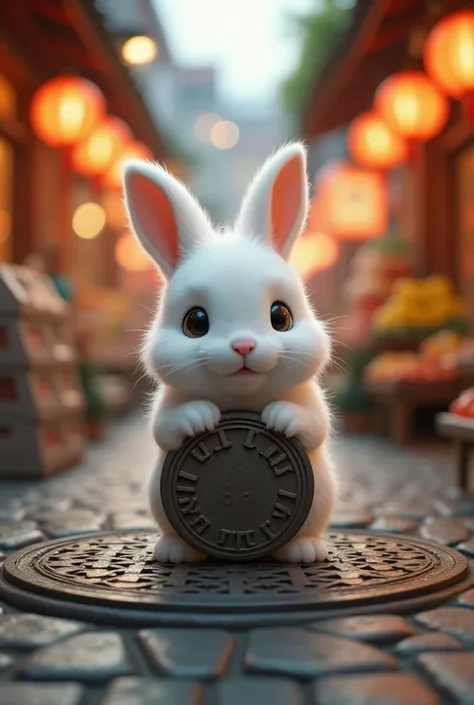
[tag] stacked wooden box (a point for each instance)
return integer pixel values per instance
(41, 402)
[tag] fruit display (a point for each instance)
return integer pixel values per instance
(410, 367)
(463, 405)
(418, 307)
(435, 361)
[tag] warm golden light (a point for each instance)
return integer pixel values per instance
(5, 225)
(88, 220)
(133, 150)
(412, 105)
(374, 144)
(314, 252)
(352, 203)
(203, 125)
(65, 110)
(224, 134)
(139, 50)
(94, 155)
(449, 53)
(130, 255)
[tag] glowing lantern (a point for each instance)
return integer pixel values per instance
(412, 105)
(352, 202)
(132, 150)
(449, 53)
(130, 255)
(65, 109)
(313, 253)
(374, 144)
(94, 155)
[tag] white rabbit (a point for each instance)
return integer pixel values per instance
(234, 329)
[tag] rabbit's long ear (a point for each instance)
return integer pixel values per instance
(276, 204)
(167, 220)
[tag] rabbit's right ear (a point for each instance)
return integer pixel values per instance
(167, 220)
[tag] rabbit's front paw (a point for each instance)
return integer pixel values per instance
(303, 549)
(187, 420)
(171, 549)
(284, 417)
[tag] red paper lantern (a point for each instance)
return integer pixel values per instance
(352, 202)
(65, 109)
(314, 252)
(449, 53)
(412, 105)
(374, 144)
(132, 150)
(94, 155)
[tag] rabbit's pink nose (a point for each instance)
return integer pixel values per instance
(243, 347)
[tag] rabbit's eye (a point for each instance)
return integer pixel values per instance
(196, 323)
(280, 317)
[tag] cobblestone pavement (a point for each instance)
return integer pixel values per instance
(385, 659)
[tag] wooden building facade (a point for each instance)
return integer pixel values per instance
(436, 201)
(39, 189)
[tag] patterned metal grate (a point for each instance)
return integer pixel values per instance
(117, 570)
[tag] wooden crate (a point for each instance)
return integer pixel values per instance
(461, 431)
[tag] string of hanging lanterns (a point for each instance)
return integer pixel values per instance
(412, 107)
(69, 112)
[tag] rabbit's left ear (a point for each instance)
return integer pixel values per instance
(276, 204)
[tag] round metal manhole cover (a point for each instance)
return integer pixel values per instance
(112, 577)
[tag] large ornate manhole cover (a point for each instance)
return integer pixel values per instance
(113, 577)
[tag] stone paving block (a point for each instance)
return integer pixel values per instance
(431, 641)
(453, 673)
(74, 521)
(148, 691)
(46, 506)
(446, 531)
(461, 506)
(188, 653)
(351, 519)
(259, 691)
(5, 661)
(466, 599)
(376, 629)
(394, 525)
(457, 621)
(94, 656)
(466, 547)
(30, 631)
(16, 534)
(293, 651)
(40, 693)
(374, 689)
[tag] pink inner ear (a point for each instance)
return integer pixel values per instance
(155, 216)
(285, 202)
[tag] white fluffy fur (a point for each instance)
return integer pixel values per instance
(235, 276)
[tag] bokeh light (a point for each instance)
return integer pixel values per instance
(139, 50)
(203, 125)
(65, 109)
(88, 220)
(224, 134)
(94, 155)
(314, 252)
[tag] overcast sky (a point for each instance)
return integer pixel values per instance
(250, 41)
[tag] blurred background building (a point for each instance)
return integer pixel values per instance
(381, 93)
